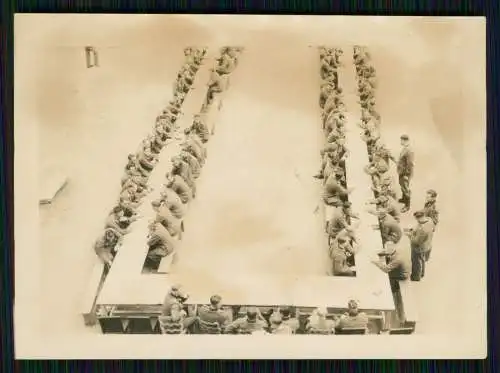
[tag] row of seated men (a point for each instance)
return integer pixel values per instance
(139, 166)
(340, 227)
(180, 188)
(219, 74)
(217, 319)
(393, 260)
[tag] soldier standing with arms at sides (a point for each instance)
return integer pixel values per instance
(405, 172)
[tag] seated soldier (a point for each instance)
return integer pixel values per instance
(175, 295)
(353, 318)
(377, 168)
(349, 234)
(277, 325)
(337, 221)
(192, 139)
(337, 133)
(147, 159)
(333, 189)
(133, 174)
(131, 161)
(326, 90)
(176, 315)
(128, 193)
(160, 138)
(173, 202)
(386, 203)
(214, 313)
(384, 153)
(167, 219)
(179, 186)
(193, 163)
(226, 63)
(160, 243)
(182, 169)
(340, 254)
(192, 147)
(118, 221)
(215, 85)
(200, 128)
(319, 324)
(105, 245)
(128, 207)
(385, 188)
(248, 324)
(389, 227)
(287, 319)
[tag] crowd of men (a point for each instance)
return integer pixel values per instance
(215, 318)
(388, 208)
(180, 188)
(139, 165)
(342, 222)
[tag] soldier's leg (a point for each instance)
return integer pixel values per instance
(416, 265)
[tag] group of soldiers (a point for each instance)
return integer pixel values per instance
(387, 206)
(180, 187)
(214, 318)
(341, 223)
(139, 166)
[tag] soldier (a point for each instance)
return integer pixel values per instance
(421, 244)
(165, 217)
(179, 186)
(182, 169)
(395, 263)
(336, 223)
(430, 209)
(200, 128)
(385, 188)
(193, 145)
(105, 245)
(192, 162)
(378, 168)
(333, 189)
(215, 85)
(340, 256)
(173, 202)
(160, 243)
(405, 171)
(319, 324)
(251, 323)
(215, 313)
(118, 221)
(353, 318)
(384, 202)
(389, 227)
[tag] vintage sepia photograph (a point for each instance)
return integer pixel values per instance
(215, 186)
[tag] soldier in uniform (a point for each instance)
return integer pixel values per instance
(430, 209)
(421, 244)
(405, 172)
(389, 227)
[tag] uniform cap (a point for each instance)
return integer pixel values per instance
(419, 214)
(352, 304)
(405, 137)
(432, 192)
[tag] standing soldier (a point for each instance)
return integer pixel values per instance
(405, 172)
(430, 209)
(421, 244)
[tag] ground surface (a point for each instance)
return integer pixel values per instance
(90, 119)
